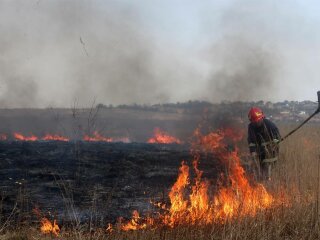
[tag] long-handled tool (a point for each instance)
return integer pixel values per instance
(305, 121)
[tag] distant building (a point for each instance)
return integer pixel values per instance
(285, 113)
(302, 113)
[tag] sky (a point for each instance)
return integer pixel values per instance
(58, 53)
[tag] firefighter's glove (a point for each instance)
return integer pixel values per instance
(275, 141)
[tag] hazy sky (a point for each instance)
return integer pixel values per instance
(56, 52)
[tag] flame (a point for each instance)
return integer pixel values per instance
(20, 137)
(55, 137)
(163, 137)
(241, 198)
(97, 138)
(3, 137)
(47, 227)
(134, 223)
(194, 201)
(238, 198)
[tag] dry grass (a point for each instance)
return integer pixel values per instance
(297, 174)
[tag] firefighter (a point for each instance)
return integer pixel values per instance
(263, 138)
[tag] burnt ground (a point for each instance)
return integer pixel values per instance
(89, 181)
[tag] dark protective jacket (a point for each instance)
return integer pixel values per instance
(260, 138)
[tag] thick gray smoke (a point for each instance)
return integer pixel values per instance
(243, 71)
(245, 60)
(17, 85)
(57, 52)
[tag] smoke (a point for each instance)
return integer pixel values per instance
(245, 60)
(56, 52)
(243, 71)
(19, 91)
(17, 86)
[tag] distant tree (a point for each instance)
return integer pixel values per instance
(100, 105)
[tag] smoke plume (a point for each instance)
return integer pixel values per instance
(54, 53)
(245, 61)
(57, 52)
(243, 71)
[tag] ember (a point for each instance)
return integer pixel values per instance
(97, 138)
(55, 137)
(162, 137)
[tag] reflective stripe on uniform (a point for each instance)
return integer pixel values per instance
(270, 160)
(270, 142)
(252, 145)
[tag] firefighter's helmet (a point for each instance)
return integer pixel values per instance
(255, 114)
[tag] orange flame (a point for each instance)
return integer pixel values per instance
(46, 226)
(162, 137)
(97, 138)
(240, 198)
(196, 202)
(20, 137)
(55, 137)
(134, 223)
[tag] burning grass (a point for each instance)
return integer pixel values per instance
(20, 137)
(297, 222)
(233, 208)
(97, 137)
(32, 138)
(163, 137)
(190, 200)
(47, 226)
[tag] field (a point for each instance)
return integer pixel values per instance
(295, 184)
